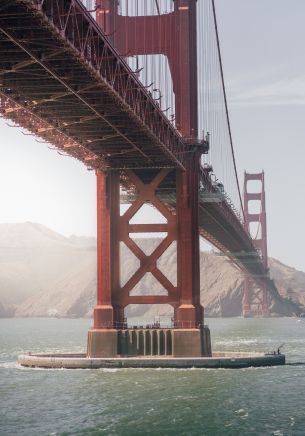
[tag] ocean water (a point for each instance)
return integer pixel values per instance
(261, 401)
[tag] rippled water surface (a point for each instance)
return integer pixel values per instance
(262, 401)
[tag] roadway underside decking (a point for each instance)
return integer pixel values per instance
(77, 91)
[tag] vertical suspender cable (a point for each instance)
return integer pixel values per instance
(226, 105)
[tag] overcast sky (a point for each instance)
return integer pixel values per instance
(264, 64)
(263, 55)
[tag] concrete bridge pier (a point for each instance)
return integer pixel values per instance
(131, 342)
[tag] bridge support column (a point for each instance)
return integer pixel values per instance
(255, 299)
(188, 335)
(102, 338)
(108, 268)
(189, 310)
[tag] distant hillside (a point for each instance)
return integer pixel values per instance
(43, 273)
(290, 282)
(34, 260)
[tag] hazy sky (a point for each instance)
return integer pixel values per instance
(264, 64)
(263, 54)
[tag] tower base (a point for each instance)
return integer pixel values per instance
(247, 313)
(102, 343)
(149, 342)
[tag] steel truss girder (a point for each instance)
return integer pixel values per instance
(68, 25)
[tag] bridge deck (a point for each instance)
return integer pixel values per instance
(56, 63)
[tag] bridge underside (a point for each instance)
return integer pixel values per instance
(61, 79)
(57, 64)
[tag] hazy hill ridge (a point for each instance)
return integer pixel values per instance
(43, 273)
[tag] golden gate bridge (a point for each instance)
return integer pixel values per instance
(135, 90)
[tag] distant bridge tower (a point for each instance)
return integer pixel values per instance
(255, 299)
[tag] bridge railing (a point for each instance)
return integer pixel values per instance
(215, 193)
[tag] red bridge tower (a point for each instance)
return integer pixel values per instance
(173, 35)
(255, 301)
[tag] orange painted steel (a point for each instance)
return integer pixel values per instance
(256, 301)
(173, 35)
(181, 226)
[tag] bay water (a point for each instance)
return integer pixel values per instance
(252, 401)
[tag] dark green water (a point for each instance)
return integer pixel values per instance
(262, 401)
